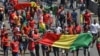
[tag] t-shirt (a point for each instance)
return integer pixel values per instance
(5, 41)
(87, 16)
(70, 29)
(74, 15)
(46, 18)
(27, 30)
(31, 23)
(78, 29)
(31, 45)
(94, 28)
(58, 30)
(15, 46)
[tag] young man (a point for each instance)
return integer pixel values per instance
(32, 23)
(70, 29)
(87, 17)
(69, 17)
(6, 44)
(77, 28)
(36, 37)
(94, 29)
(15, 47)
(74, 16)
(46, 19)
(98, 46)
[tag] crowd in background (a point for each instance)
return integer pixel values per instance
(26, 32)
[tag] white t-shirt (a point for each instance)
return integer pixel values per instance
(58, 30)
(94, 28)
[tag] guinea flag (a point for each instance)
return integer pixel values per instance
(71, 42)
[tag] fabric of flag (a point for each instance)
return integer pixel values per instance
(33, 4)
(42, 27)
(70, 42)
(22, 5)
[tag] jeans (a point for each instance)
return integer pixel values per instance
(14, 53)
(5, 49)
(37, 49)
(56, 51)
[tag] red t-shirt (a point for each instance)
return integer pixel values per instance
(69, 17)
(15, 46)
(27, 30)
(36, 37)
(31, 45)
(87, 18)
(5, 41)
(70, 30)
(46, 18)
(12, 15)
(28, 15)
(78, 29)
(31, 23)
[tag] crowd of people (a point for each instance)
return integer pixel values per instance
(26, 32)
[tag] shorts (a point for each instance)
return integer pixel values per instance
(23, 46)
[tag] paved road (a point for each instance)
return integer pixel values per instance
(93, 51)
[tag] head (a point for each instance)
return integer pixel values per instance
(76, 24)
(73, 10)
(87, 11)
(35, 31)
(6, 34)
(94, 21)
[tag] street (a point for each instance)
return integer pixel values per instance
(93, 51)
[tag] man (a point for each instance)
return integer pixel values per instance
(15, 47)
(1, 16)
(94, 29)
(98, 45)
(78, 28)
(70, 29)
(87, 17)
(69, 17)
(6, 44)
(62, 2)
(58, 30)
(46, 19)
(62, 17)
(74, 16)
(71, 3)
(36, 37)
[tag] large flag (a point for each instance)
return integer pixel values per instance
(22, 5)
(71, 42)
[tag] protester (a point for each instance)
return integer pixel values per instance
(15, 47)
(6, 44)
(87, 17)
(94, 29)
(74, 16)
(98, 46)
(36, 37)
(70, 28)
(69, 17)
